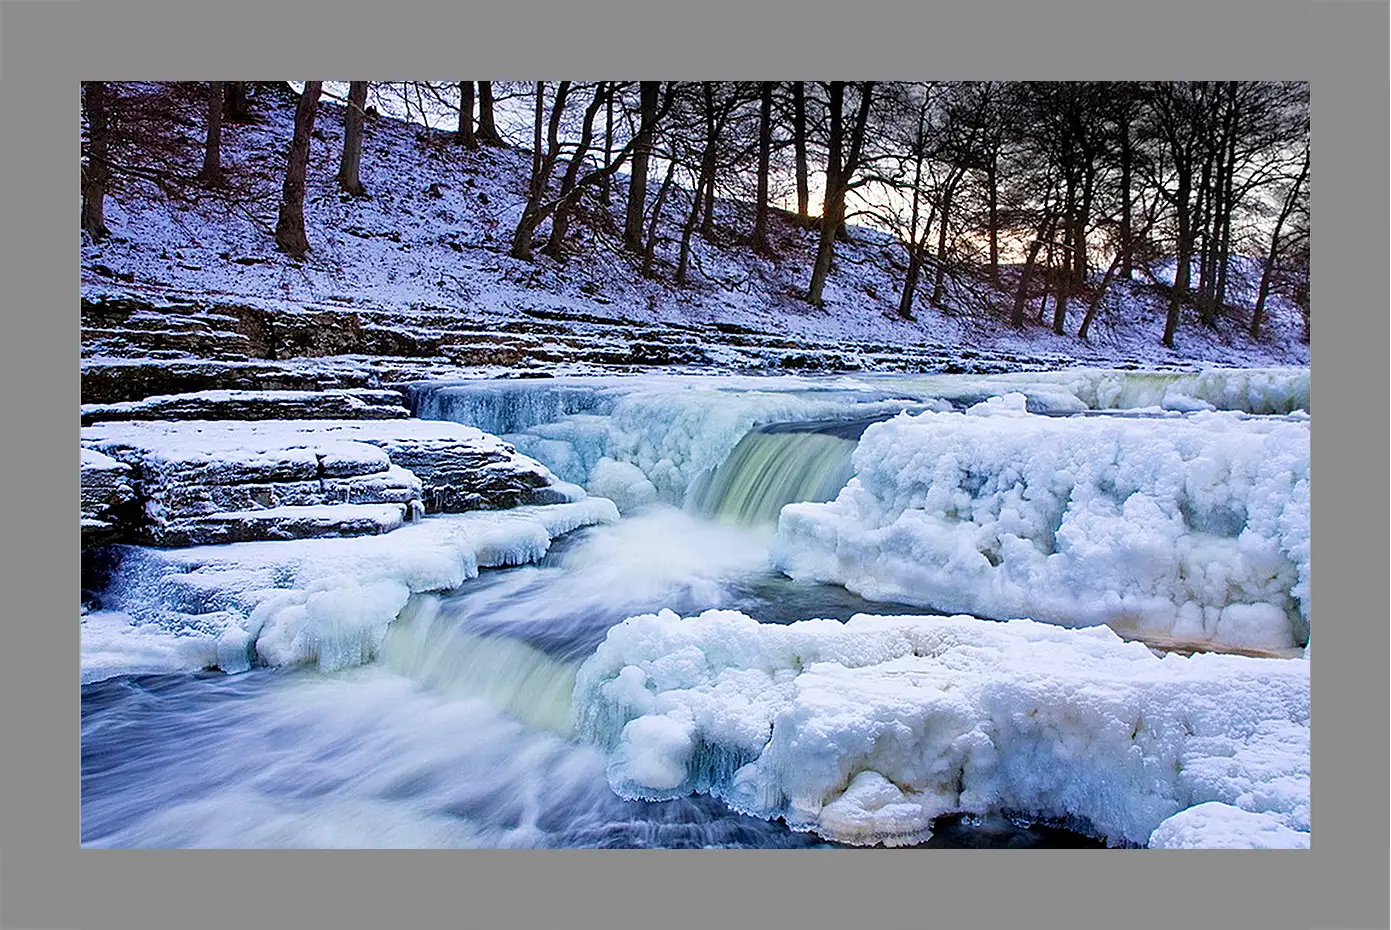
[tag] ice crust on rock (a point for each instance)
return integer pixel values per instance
(340, 404)
(864, 731)
(198, 478)
(328, 602)
(1194, 528)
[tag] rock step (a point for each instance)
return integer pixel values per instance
(108, 497)
(187, 482)
(333, 404)
(281, 523)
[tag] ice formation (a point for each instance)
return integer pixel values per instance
(677, 430)
(864, 731)
(1193, 528)
(328, 602)
(1214, 825)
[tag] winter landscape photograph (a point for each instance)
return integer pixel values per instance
(695, 464)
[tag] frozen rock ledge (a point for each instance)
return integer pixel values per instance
(865, 731)
(216, 481)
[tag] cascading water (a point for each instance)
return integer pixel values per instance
(460, 733)
(772, 467)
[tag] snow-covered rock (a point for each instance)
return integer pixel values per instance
(865, 731)
(342, 404)
(108, 498)
(322, 601)
(206, 481)
(1191, 528)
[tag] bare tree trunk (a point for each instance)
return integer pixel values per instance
(289, 230)
(707, 221)
(688, 231)
(654, 225)
(238, 107)
(1268, 272)
(560, 222)
(910, 281)
(1202, 229)
(706, 182)
(765, 151)
(1224, 244)
(212, 151)
(1021, 294)
(487, 133)
(466, 136)
(606, 185)
(543, 158)
(831, 201)
(1097, 298)
(97, 172)
(349, 168)
(939, 283)
(799, 147)
(992, 188)
(1079, 237)
(1127, 242)
(637, 174)
(1185, 258)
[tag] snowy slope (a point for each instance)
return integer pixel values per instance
(434, 234)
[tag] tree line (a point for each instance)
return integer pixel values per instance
(1014, 194)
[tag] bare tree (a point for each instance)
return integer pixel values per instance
(546, 155)
(1272, 257)
(212, 148)
(799, 147)
(637, 175)
(238, 105)
(560, 221)
(96, 171)
(487, 129)
(348, 169)
(765, 151)
(466, 136)
(840, 170)
(289, 229)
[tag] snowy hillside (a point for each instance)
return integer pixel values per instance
(431, 240)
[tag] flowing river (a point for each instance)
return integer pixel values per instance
(462, 731)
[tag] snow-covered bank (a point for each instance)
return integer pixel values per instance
(434, 233)
(328, 602)
(864, 731)
(1194, 528)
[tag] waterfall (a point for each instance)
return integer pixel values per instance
(776, 465)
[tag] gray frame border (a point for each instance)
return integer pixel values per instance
(47, 881)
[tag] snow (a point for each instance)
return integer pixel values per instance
(327, 602)
(94, 461)
(1193, 528)
(344, 441)
(435, 234)
(253, 404)
(1213, 825)
(864, 731)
